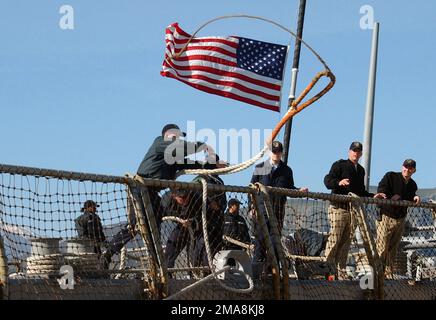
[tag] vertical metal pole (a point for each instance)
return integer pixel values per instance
(367, 140)
(296, 64)
(4, 290)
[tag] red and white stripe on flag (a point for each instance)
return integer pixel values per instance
(243, 69)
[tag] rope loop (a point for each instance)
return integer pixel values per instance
(295, 108)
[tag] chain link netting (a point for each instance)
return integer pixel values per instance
(38, 225)
(313, 229)
(182, 235)
(147, 241)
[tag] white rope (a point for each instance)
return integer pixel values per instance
(123, 261)
(257, 18)
(209, 254)
(44, 264)
(123, 258)
(190, 231)
(244, 165)
(241, 244)
(228, 170)
(197, 284)
(181, 221)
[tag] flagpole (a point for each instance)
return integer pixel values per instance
(369, 117)
(296, 64)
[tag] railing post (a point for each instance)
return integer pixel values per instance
(268, 244)
(155, 233)
(276, 236)
(146, 237)
(369, 245)
(4, 289)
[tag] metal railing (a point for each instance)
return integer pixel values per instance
(304, 211)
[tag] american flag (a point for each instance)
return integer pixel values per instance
(243, 69)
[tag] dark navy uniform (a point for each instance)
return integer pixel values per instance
(345, 169)
(393, 183)
(165, 157)
(215, 220)
(179, 237)
(340, 217)
(158, 163)
(163, 160)
(89, 226)
(236, 228)
(279, 177)
(219, 198)
(391, 226)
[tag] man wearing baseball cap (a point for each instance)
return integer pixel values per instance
(165, 157)
(235, 226)
(345, 176)
(88, 225)
(273, 173)
(187, 204)
(394, 186)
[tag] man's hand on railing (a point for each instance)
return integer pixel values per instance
(186, 223)
(380, 196)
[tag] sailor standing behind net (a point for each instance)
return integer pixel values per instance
(163, 160)
(88, 225)
(394, 186)
(235, 226)
(273, 173)
(216, 204)
(188, 206)
(345, 176)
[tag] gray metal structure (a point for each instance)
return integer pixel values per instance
(369, 117)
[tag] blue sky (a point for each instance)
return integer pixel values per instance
(92, 99)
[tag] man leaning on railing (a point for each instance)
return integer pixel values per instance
(163, 160)
(394, 186)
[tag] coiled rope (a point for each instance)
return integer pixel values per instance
(295, 108)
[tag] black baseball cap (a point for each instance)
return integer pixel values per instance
(89, 204)
(276, 147)
(356, 145)
(409, 163)
(172, 126)
(233, 201)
